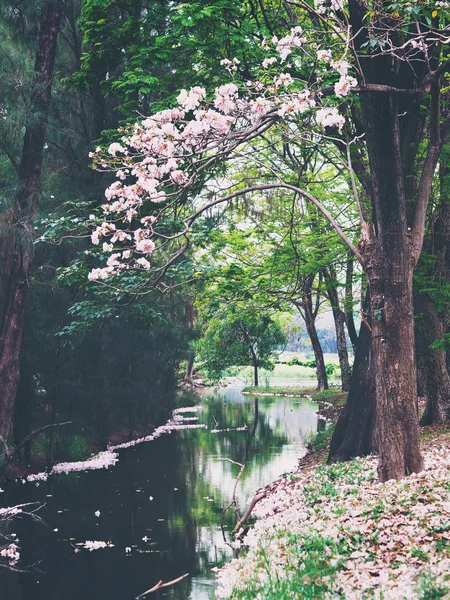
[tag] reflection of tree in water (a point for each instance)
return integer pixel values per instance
(189, 489)
(254, 447)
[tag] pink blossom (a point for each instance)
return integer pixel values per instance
(145, 246)
(143, 262)
(192, 98)
(11, 552)
(330, 117)
(114, 148)
(344, 85)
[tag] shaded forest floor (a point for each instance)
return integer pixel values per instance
(335, 531)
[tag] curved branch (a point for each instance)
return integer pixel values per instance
(270, 186)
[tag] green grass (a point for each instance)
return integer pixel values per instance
(429, 589)
(279, 372)
(331, 394)
(308, 576)
(277, 391)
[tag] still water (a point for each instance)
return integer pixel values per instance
(161, 505)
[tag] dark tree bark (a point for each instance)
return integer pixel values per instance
(255, 366)
(355, 433)
(16, 242)
(433, 376)
(432, 363)
(392, 95)
(339, 323)
(187, 380)
(389, 264)
(350, 321)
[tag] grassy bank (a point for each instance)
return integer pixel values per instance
(277, 391)
(287, 390)
(336, 532)
(296, 373)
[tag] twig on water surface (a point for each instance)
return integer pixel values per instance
(233, 501)
(256, 498)
(239, 520)
(161, 585)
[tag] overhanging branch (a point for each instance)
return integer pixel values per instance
(270, 186)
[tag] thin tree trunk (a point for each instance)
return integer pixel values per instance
(349, 301)
(190, 318)
(187, 380)
(339, 323)
(255, 367)
(322, 378)
(17, 237)
(433, 376)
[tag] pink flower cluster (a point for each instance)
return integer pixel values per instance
(161, 156)
(384, 539)
(108, 458)
(103, 460)
(11, 552)
(95, 545)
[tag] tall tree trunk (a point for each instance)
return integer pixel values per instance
(190, 318)
(187, 380)
(339, 323)
(434, 379)
(255, 367)
(349, 301)
(394, 361)
(355, 432)
(17, 237)
(322, 378)
(432, 363)
(390, 246)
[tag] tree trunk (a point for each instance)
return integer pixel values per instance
(190, 317)
(433, 376)
(436, 379)
(354, 434)
(322, 379)
(390, 248)
(350, 321)
(339, 323)
(189, 370)
(17, 237)
(255, 368)
(390, 285)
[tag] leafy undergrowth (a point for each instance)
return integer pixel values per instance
(319, 440)
(336, 532)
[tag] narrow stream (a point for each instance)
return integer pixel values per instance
(160, 506)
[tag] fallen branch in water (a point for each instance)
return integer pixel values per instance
(9, 454)
(161, 585)
(256, 498)
(233, 501)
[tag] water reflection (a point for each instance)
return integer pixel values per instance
(164, 500)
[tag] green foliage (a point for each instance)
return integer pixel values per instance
(144, 53)
(239, 338)
(326, 395)
(311, 364)
(319, 440)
